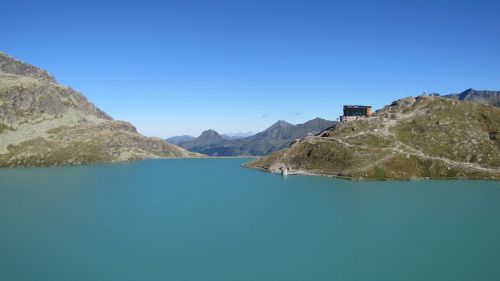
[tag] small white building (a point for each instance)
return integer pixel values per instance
(284, 171)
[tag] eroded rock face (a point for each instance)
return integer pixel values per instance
(25, 99)
(423, 137)
(43, 123)
(10, 65)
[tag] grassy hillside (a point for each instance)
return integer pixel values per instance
(43, 123)
(424, 137)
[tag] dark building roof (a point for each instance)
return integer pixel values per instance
(357, 106)
(357, 110)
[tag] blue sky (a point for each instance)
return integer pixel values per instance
(179, 67)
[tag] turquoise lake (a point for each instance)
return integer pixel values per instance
(210, 219)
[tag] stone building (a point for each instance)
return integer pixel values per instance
(353, 112)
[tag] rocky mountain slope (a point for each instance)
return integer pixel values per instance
(485, 97)
(207, 138)
(43, 123)
(423, 137)
(274, 138)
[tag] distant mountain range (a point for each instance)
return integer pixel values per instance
(229, 136)
(484, 97)
(274, 138)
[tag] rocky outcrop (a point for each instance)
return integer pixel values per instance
(413, 138)
(10, 65)
(43, 123)
(31, 100)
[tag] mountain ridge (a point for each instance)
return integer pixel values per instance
(43, 123)
(277, 136)
(479, 96)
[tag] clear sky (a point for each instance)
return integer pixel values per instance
(179, 67)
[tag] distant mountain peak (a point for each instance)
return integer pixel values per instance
(479, 96)
(280, 123)
(209, 133)
(465, 93)
(206, 138)
(315, 120)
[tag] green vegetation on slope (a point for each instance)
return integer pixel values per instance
(426, 137)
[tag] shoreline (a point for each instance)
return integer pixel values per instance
(307, 173)
(129, 161)
(219, 157)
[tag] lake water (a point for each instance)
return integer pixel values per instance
(210, 219)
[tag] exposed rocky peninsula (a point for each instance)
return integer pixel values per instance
(427, 137)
